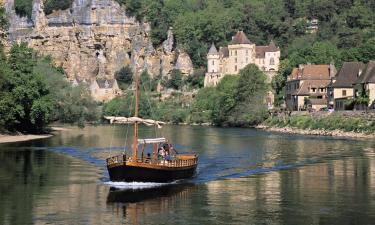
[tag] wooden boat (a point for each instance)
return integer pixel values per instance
(153, 168)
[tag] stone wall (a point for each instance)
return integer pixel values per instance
(94, 39)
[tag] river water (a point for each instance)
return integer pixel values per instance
(245, 176)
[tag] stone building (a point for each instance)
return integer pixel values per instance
(238, 54)
(365, 84)
(341, 89)
(306, 87)
(104, 90)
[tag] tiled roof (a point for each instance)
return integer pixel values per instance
(368, 74)
(224, 52)
(240, 38)
(348, 74)
(261, 50)
(311, 72)
(213, 50)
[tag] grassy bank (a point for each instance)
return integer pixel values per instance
(327, 122)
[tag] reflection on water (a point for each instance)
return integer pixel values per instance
(244, 177)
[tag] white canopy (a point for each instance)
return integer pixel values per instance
(131, 120)
(152, 140)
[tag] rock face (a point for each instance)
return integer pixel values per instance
(94, 39)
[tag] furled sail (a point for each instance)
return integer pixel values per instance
(131, 120)
(152, 141)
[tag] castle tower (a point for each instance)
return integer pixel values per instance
(241, 53)
(213, 60)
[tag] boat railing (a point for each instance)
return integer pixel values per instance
(116, 160)
(175, 162)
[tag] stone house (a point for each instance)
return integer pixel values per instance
(104, 90)
(341, 88)
(365, 84)
(239, 53)
(307, 85)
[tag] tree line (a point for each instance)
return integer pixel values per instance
(34, 93)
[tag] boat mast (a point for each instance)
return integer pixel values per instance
(135, 133)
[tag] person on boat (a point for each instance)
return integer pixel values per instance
(148, 158)
(167, 156)
(162, 153)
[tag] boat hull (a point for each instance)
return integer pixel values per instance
(130, 173)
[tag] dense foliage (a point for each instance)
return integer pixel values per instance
(236, 101)
(345, 26)
(34, 93)
(23, 7)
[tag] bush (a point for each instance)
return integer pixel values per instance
(175, 81)
(124, 76)
(23, 7)
(51, 5)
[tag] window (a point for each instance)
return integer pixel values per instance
(313, 89)
(235, 60)
(235, 68)
(321, 89)
(247, 52)
(272, 61)
(235, 53)
(343, 92)
(247, 60)
(213, 62)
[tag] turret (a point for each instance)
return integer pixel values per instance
(213, 60)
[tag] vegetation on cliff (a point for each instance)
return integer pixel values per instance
(33, 93)
(51, 5)
(25, 7)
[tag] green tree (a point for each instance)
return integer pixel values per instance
(175, 81)
(124, 76)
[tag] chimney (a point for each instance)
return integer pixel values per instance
(332, 70)
(359, 72)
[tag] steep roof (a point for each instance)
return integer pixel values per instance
(105, 83)
(310, 72)
(224, 52)
(348, 74)
(261, 50)
(239, 38)
(213, 50)
(368, 74)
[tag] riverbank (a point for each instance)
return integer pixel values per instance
(18, 137)
(338, 124)
(6, 138)
(316, 132)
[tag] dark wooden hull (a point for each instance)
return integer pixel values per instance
(131, 173)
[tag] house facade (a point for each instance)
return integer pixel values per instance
(101, 90)
(104, 90)
(364, 86)
(238, 54)
(306, 87)
(341, 90)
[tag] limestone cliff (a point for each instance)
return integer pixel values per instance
(95, 38)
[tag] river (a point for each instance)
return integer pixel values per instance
(245, 176)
